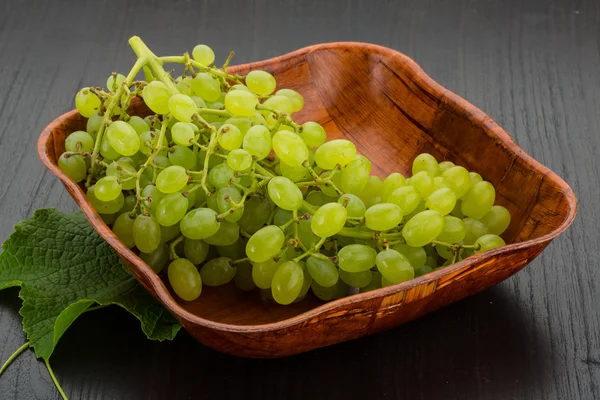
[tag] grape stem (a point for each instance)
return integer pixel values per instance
(457, 246)
(13, 356)
(60, 390)
(172, 254)
(354, 233)
(281, 117)
(314, 251)
(210, 111)
(318, 181)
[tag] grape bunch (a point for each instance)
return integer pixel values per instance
(219, 184)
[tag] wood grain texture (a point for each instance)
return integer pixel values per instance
(531, 65)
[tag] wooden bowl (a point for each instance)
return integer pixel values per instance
(382, 101)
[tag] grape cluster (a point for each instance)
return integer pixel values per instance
(219, 184)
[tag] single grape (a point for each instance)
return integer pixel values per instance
(256, 213)
(123, 138)
(356, 258)
(354, 206)
(426, 162)
(228, 234)
(355, 175)
(497, 220)
(313, 134)
(305, 233)
(146, 140)
(129, 202)
(374, 284)
(153, 197)
(474, 230)
(123, 228)
(423, 182)
(457, 210)
(446, 165)
(182, 133)
(156, 96)
(416, 256)
(182, 107)
(105, 207)
(442, 201)
(306, 282)
(184, 279)
(73, 166)
(171, 209)
(107, 188)
(335, 152)
(423, 228)
(287, 282)
(239, 86)
(391, 183)
(79, 141)
(337, 291)
(203, 54)
(195, 250)
(168, 233)
(284, 193)
(265, 243)
(217, 272)
(172, 179)
(295, 97)
(257, 141)
(158, 259)
(199, 223)
(221, 176)
(184, 85)
(200, 103)
(114, 82)
(489, 242)
(295, 174)
(329, 220)
(290, 148)
(454, 230)
(93, 124)
(394, 266)
(182, 156)
(241, 103)
(279, 103)
(318, 198)
(405, 197)
(262, 273)
(230, 137)
(243, 277)
(239, 160)
(86, 102)
(385, 282)
(372, 190)
(146, 233)
(107, 151)
(323, 271)
(445, 252)
(475, 178)
(207, 87)
(356, 279)
(479, 200)
(440, 183)
(458, 179)
(383, 217)
(261, 82)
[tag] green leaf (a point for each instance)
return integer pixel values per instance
(63, 266)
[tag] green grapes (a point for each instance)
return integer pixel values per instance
(203, 54)
(185, 279)
(86, 102)
(261, 82)
(423, 228)
(265, 243)
(284, 193)
(290, 148)
(329, 219)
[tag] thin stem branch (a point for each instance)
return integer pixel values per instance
(13, 356)
(60, 390)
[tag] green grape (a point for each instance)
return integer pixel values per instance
(374, 284)
(423, 228)
(262, 273)
(129, 203)
(426, 162)
(257, 141)
(306, 282)
(474, 230)
(228, 234)
(261, 82)
(440, 183)
(79, 141)
(168, 233)
(107, 151)
(423, 182)
(416, 256)
(265, 243)
(322, 271)
(479, 200)
(489, 242)
(383, 217)
(420, 207)
(355, 175)
(391, 183)
(454, 230)
(256, 213)
(182, 107)
(279, 103)
(446, 165)
(243, 277)
(184, 86)
(73, 166)
(161, 161)
(442, 200)
(313, 134)
(385, 282)
(94, 123)
(475, 178)
(195, 250)
(406, 197)
(329, 220)
(182, 133)
(182, 156)
(497, 220)
(114, 82)
(336, 152)
(123, 228)
(146, 140)
(305, 233)
(153, 197)
(239, 86)
(239, 160)
(230, 137)
(203, 54)
(199, 223)
(445, 252)
(138, 124)
(284, 193)
(242, 123)
(107, 188)
(171, 209)
(424, 270)
(217, 272)
(337, 291)
(295, 97)
(457, 210)
(458, 179)
(200, 103)
(207, 87)
(356, 258)
(354, 206)
(172, 179)
(86, 102)
(213, 203)
(290, 148)
(123, 138)
(185, 279)
(394, 267)
(295, 174)
(372, 189)
(146, 233)
(123, 171)
(466, 253)
(156, 96)
(241, 103)
(356, 279)
(221, 175)
(158, 259)
(328, 190)
(105, 207)
(318, 198)
(287, 282)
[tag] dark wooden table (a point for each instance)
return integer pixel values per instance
(534, 66)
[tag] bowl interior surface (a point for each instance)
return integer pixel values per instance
(380, 100)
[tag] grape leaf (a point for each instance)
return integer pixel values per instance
(63, 266)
